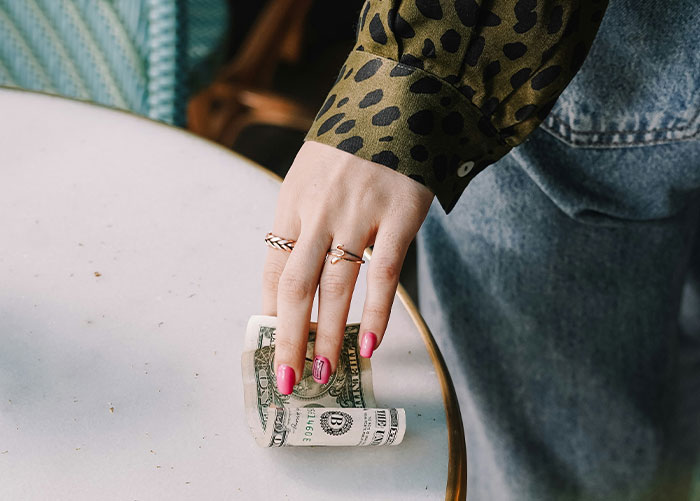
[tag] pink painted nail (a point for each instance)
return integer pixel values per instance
(369, 341)
(321, 369)
(285, 379)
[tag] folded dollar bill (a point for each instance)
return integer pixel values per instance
(341, 412)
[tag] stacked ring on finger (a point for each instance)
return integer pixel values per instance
(339, 253)
(336, 254)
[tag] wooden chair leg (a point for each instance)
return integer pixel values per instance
(238, 98)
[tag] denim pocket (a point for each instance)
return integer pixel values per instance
(640, 84)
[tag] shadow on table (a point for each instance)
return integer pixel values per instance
(387, 464)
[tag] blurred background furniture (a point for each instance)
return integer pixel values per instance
(144, 56)
(285, 57)
(242, 95)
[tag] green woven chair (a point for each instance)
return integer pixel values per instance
(146, 56)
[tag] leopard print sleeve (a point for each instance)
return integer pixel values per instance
(440, 89)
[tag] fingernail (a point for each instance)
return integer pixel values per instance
(369, 341)
(321, 369)
(285, 379)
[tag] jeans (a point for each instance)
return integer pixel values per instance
(564, 287)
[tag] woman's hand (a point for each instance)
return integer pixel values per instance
(331, 197)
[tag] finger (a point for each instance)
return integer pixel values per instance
(335, 292)
(287, 228)
(274, 266)
(382, 279)
(295, 294)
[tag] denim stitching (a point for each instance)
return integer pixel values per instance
(638, 131)
(614, 144)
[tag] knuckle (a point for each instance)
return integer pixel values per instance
(295, 289)
(376, 311)
(271, 277)
(286, 345)
(385, 270)
(329, 343)
(334, 287)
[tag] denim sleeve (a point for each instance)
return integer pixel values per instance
(440, 89)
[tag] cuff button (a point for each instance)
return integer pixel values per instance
(465, 168)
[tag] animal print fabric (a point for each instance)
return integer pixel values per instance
(440, 89)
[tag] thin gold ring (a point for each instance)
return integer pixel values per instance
(336, 254)
(339, 253)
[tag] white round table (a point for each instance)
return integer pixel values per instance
(131, 256)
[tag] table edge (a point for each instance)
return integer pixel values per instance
(181, 130)
(456, 487)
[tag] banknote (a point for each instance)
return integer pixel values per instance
(341, 412)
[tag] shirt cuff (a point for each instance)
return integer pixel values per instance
(409, 120)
